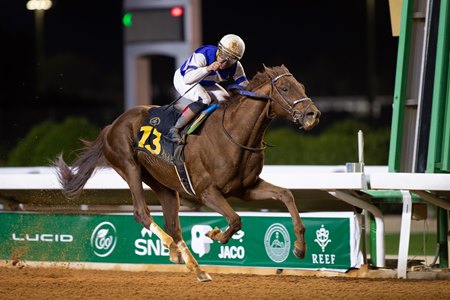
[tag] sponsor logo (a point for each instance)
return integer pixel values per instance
(43, 237)
(323, 239)
(277, 242)
(154, 121)
(200, 243)
(148, 245)
(104, 239)
(233, 252)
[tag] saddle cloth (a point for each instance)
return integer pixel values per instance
(151, 138)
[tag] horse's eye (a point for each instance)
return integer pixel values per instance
(284, 89)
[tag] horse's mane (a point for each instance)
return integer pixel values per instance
(258, 79)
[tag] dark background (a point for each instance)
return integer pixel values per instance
(325, 45)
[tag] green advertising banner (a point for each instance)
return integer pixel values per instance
(266, 240)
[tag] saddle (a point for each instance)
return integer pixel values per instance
(151, 138)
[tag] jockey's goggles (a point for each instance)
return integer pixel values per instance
(226, 58)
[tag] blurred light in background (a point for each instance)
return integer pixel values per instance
(39, 7)
(127, 19)
(39, 4)
(176, 11)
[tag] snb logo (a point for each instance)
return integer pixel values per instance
(104, 239)
(277, 242)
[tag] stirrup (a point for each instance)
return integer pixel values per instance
(173, 135)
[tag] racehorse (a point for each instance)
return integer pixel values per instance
(224, 160)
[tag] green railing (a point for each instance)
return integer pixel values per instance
(401, 76)
(424, 121)
(439, 146)
(409, 126)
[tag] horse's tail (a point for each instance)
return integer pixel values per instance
(73, 179)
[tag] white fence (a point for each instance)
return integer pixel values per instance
(319, 182)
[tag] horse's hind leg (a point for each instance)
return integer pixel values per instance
(119, 154)
(170, 203)
(263, 190)
(123, 162)
(132, 175)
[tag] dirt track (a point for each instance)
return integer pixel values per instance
(43, 283)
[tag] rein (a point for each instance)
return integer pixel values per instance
(236, 143)
(296, 115)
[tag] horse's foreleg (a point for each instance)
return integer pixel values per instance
(214, 200)
(263, 190)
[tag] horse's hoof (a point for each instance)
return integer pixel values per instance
(203, 276)
(299, 249)
(213, 233)
(298, 253)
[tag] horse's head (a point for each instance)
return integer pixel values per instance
(288, 98)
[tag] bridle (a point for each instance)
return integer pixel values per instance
(296, 114)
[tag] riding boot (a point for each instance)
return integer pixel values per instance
(174, 132)
(173, 135)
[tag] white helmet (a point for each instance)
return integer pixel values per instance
(232, 45)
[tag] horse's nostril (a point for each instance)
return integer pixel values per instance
(315, 114)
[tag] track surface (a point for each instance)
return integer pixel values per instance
(53, 283)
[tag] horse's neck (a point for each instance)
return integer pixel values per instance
(247, 121)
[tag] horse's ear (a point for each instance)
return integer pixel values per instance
(268, 70)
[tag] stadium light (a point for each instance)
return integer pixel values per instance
(39, 7)
(39, 4)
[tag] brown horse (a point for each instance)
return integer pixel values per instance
(223, 161)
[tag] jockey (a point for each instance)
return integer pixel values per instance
(199, 77)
